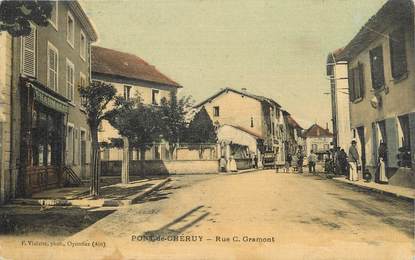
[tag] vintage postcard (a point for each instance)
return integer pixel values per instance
(207, 129)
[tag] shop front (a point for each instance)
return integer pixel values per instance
(44, 114)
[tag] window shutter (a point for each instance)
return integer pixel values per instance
(29, 53)
(362, 80)
(52, 80)
(76, 147)
(392, 141)
(351, 85)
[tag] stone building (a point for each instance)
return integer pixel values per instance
(318, 140)
(381, 80)
(45, 128)
(132, 77)
(259, 116)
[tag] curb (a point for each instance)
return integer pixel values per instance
(91, 203)
(389, 193)
(238, 172)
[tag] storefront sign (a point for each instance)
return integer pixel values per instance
(49, 101)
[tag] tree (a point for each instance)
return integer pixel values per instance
(95, 99)
(201, 129)
(140, 123)
(15, 16)
(173, 119)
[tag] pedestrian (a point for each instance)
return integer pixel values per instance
(232, 164)
(288, 160)
(344, 169)
(353, 162)
(256, 161)
(312, 160)
(382, 154)
(294, 162)
(222, 164)
(300, 159)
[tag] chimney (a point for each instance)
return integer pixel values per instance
(327, 126)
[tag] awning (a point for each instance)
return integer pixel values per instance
(48, 100)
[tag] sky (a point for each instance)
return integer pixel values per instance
(274, 48)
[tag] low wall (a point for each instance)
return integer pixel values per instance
(243, 164)
(159, 167)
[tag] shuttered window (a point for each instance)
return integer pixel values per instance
(29, 53)
(52, 67)
(377, 70)
(70, 29)
(70, 72)
(83, 46)
(54, 14)
(356, 83)
(398, 53)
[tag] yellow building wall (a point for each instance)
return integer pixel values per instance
(144, 92)
(237, 110)
(398, 100)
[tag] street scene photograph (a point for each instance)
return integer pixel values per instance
(207, 129)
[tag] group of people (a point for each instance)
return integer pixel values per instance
(350, 164)
(296, 160)
(223, 164)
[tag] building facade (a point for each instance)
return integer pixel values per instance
(260, 116)
(47, 129)
(337, 71)
(381, 80)
(133, 78)
(318, 140)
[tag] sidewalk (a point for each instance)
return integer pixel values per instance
(112, 195)
(396, 191)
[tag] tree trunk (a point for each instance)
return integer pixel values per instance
(95, 164)
(125, 176)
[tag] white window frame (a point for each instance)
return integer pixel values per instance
(52, 47)
(55, 23)
(83, 46)
(71, 42)
(70, 64)
(34, 55)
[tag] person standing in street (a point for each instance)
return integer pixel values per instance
(288, 160)
(382, 160)
(353, 161)
(232, 164)
(222, 164)
(312, 160)
(300, 158)
(344, 169)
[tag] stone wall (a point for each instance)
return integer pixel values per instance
(158, 167)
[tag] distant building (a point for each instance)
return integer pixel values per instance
(293, 137)
(381, 80)
(260, 116)
(44, 127)
(318, 140)
(132, 77)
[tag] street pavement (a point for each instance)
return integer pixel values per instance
(256, 215)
